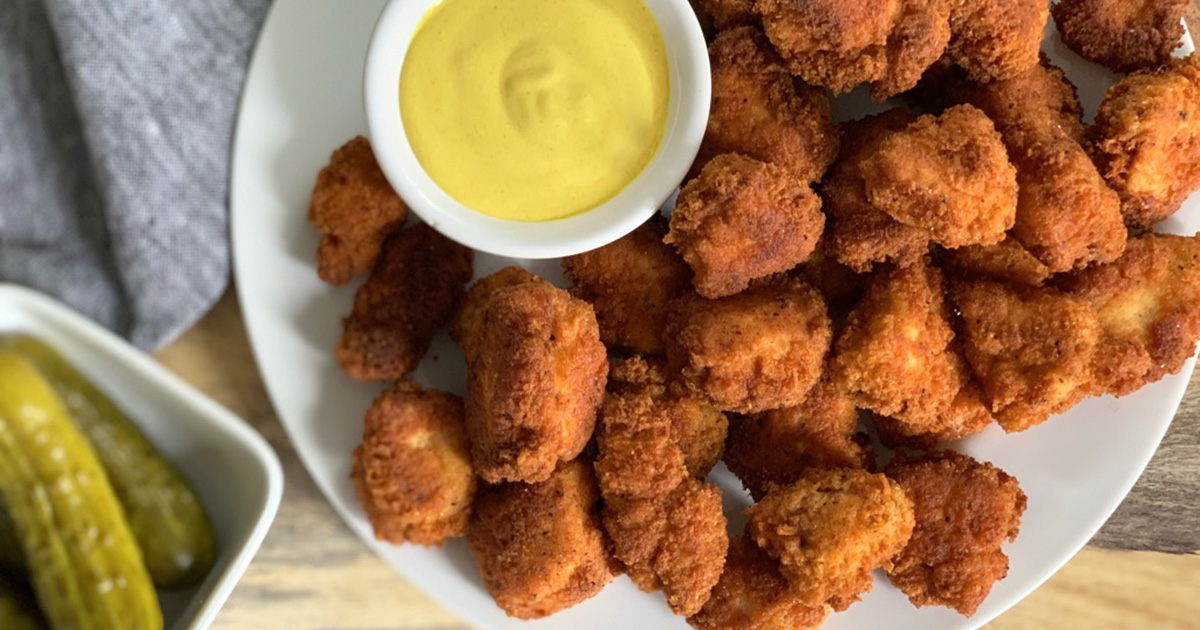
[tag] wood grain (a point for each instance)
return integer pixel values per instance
(312, 573)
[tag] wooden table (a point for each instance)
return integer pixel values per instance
(312, 573)
(1141, 570)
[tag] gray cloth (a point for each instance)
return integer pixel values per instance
(116, 118)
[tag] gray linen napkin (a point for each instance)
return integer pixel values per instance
(115, 125)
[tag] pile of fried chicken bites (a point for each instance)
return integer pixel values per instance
(978, 255)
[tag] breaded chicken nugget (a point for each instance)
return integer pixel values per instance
(777, 446)
(1148, 304)
(1122, 35)
(964, 510)
(1007, 260)
(757, 350)
(540, 547)
(967, 414)
(758, 110)
(948, 175)
(1146, 140)
(741, 220)
(727, 14)
(631, 282)
(839, 45)
(638, 456)
(355, 209)
(536, 371)
(894, 355)
(830, 529)
(753, 595)
(996, 39)
(411, 293)
(697, 428)
(676, 542)
(1030, 347)
(861, 235)
(840, 285)
(1067, 216)
(468, 322)
(412, 472)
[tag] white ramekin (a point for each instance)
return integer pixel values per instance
(687, 115)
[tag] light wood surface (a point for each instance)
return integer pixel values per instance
(312, 573)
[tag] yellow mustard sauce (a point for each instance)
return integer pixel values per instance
(533, 110)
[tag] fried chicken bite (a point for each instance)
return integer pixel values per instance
(1148, 305)
(631, 282)
(894, 357)
(536, 372)
(741, 220)
(777, 446)
(948, 175)
(757, 350)
(753, 595)
(412, 472)
(638, 456)
(675, 542)
(1030, 347)
(860, 235)
(840, 285)
(964, 511)
(540, 547)
(697, 428)
(355, 209)
(1121, 35)
(967, 414)
(727, 14)
(1146, 140)
(830, 529)
(996, 39)
(1007, 261)
(759, 111)
(411, 293)
(1067, 216)
(839, 45)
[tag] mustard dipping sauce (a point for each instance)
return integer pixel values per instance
(533, 110)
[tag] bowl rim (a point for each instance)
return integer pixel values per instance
(690, 84)
(208, 601)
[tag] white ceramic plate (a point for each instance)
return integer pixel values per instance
(302, 100)
(233, 470)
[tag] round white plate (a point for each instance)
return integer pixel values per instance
(302, 100)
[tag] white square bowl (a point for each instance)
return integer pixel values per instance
(235, 473)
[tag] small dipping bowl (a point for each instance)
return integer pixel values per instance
(690, 86)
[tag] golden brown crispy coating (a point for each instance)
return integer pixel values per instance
(1148, 304)
(753, 595)
(1030, 347)
(861, 235)
(355, 209)
(1007, 260)
(838, 283)
(630, 282)
(412, 472)
(830, 529)
(894, 355)
(697, 428)
(536, 371)
(757, 350)
(758, 110)
(638, 456)
(996, 39)
(1146, 140)
(1122, 35)
(741, 220)
(838, 44)
(728, 14)
(469, 320)
(948, 175)
(676, 542)
(777, 446)
(1038, 98)
(964, 510)
(411, 293)
(540, 547)
(967, 414)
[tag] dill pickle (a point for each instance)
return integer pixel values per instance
(84, 565)
(15, 611)
(167, 519)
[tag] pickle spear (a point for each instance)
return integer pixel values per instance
(84, 565)
(166, 517)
